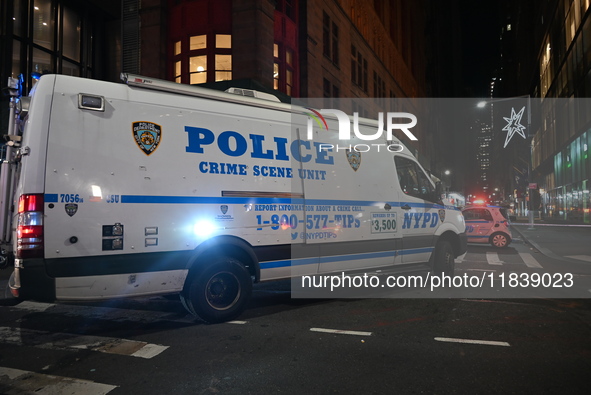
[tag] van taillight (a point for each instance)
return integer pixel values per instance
(29, 230)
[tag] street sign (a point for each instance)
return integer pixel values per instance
(533, 185)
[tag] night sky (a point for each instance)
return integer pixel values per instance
(480, 44)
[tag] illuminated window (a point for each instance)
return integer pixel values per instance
(283, 69)
(197, 42)
(198, 69)
(177, 71)
(43, 24)
(285, 47)
(223, 67)
(223, 41)
(56, 38)
(209, 59)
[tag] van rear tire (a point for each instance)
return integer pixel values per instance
(218, 291)
(443, 259)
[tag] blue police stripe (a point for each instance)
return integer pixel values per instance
(50, 198)
(150, 199)
(266, 200)
(340, 258)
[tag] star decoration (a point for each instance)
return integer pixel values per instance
(514, 125)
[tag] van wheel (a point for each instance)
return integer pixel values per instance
(219, 291)
(443, 260)
(499, 240)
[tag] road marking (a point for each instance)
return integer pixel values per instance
(34, 306)
(237, 322)
(493, 258)
(529, 260)
(25, 382)
(340, 332)
(461, 258)
(586, 258)
(49, 340)
(470, 341)
(106, 313)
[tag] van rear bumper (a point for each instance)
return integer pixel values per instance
(37, 284)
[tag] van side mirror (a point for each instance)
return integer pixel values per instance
(438, 188)
(438, 193)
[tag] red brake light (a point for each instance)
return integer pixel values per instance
(28, 203)
(29, 230)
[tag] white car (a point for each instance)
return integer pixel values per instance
(487, 224)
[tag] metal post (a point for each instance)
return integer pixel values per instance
(530, 212)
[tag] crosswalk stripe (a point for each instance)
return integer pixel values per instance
(108, 313)
(340, 331)
(50, 340)
(493, 258)
(25, 382)
(529, 260)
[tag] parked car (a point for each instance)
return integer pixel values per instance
(487, 224)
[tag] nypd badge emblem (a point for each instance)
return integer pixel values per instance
(354, 158)
(147, 136)
(224, 208)
(441, 215)
(71, 209)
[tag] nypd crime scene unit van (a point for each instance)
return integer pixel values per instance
(152, 187)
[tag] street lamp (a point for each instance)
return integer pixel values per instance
(514, 126)
(447, 182)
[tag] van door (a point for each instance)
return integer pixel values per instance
(419, 217)
(352, 217)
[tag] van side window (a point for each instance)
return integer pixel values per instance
(413, 180)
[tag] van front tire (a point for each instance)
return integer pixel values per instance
(443, 259)
(218, 291)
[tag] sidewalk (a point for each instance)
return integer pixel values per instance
(556, 239)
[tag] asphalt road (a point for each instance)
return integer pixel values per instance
(293, 346)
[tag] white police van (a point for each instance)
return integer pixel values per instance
(151, 187)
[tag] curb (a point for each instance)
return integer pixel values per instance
(544, 250)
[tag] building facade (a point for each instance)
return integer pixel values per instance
(552, 62)
(291, 48)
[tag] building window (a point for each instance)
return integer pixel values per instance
(358, 69)
(287, 7)
(58, 38)
(198, 69)
(208, 58)
(331, 93)
(284, 69)
(330, 39)
(379, 89)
